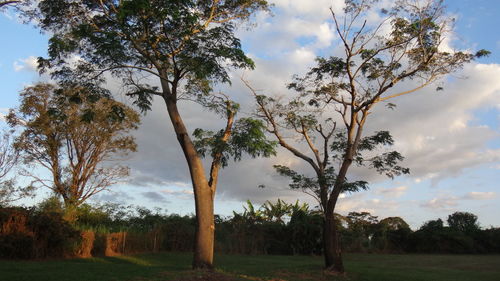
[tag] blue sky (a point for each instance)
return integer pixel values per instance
(450, 140)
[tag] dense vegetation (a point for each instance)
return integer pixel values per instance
(275, 228)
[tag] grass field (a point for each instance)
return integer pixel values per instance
(175, 266)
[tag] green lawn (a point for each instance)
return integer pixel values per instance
(175, 266)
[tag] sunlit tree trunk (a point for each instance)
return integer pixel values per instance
(203, 196)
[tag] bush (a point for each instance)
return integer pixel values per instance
(25, 233)
(16, 245)
(54, 236)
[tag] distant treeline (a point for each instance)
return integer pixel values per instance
(274, 228)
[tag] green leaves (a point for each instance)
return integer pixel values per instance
(70, 130)
(387, 163)
(464, 222)
(172, 39)
(314, 185)
(142, 95)
(379, 138)
(299, 181)
(482, 53)
(247, 137)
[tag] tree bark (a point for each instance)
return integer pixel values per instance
(331, 243)
(331, 235)
(203, 196)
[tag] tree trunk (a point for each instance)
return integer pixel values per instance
(331, 244)
(203, 196)
(331, 236)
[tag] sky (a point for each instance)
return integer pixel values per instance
(450, 139)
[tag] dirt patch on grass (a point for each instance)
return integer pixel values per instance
(202, 275)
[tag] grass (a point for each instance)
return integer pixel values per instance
(176, 266)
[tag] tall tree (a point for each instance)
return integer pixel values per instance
(324, 152)
(74, 133)
(406, 45)
(187, 45)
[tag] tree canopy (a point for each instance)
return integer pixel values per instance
(463, 221)
(75, 133)
(191, 41)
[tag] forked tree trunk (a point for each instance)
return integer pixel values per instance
(203, 196)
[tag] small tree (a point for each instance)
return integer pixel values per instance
(391, 235)
(361, 226)
(187, 46)
(464, 222)
(347, 88)
(73, 133)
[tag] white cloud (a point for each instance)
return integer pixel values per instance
(393, 192)
(302, 56)
(361, 203)
(176, 192)
(184, 194)
(120, 197)
(446, 202)
(475, 195)
(310, 9)
(433, 130)
(27, 64)
(441, 203)
(154, 196)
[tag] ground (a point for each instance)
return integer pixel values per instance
(175, 267)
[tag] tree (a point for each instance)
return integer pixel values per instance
(275, 212)
(391, 235)
(186, 45)
(74, 133)
(361, 226)
(432, 225)
(327, 145)
(406, 46)
(394, 223)
(9, 158)
(305, 230)
(464, 222)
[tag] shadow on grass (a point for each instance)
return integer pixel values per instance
(176, 267)
(97, 268)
